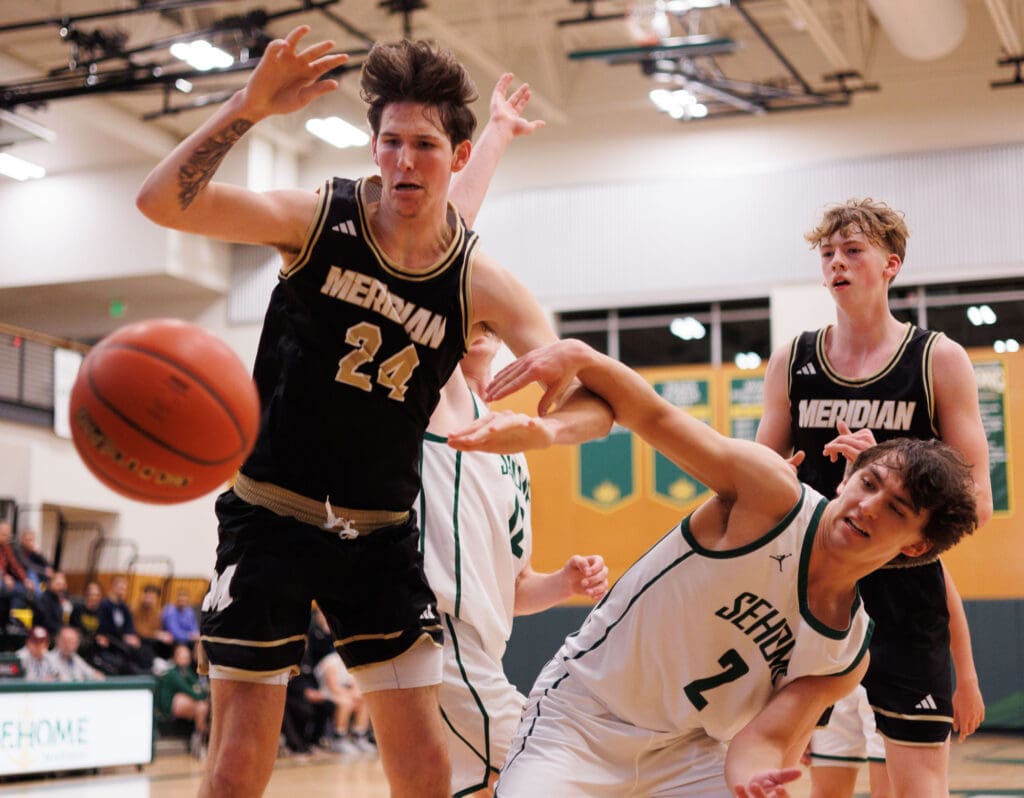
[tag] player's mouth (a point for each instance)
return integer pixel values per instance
(840, 282)
(858, 530)
(406, 186)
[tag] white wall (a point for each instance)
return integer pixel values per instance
(42, 469)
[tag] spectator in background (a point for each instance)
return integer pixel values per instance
(349, 733)
(65, 661)
(180, 619)
(38, 570)
(53, 607)
(34, 663)
(12, 575)
(181, 694)
(149, 623)
(120, 647)
(85, 617)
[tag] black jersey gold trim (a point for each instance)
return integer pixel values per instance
(316, 226)
(368, 190)
(839, 379)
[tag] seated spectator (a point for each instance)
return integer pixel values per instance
(12, 575)
(85, 617)
(181, 694)
(53, 606)
(307, 714)
(38, 570)
(149, 623)
(350, 731)
(65, 661)
(179, 619)
(32, 656)
(119, 648)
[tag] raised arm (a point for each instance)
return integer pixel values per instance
(469, 185)
(764, 755)
(968, 705)
(727, 466)
(956, 407)
(506, 306)
(774, 429)
(580, 576)
(179, 193)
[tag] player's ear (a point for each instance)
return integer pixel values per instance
(918, 549)
(373, 149)
(892, 266)
(460, 156)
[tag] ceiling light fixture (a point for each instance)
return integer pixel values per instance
(182, 85)
(201, 55)
(19, 169)
(679, 104)
(337, 132)
(689, 329)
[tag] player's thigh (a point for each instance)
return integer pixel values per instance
(479, 706)
(918, 771)
(256, 613)
(569, 744)
(378, 602)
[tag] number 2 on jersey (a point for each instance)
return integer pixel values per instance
(734, 666)
(393, 373)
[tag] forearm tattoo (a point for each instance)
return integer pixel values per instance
(196, 173)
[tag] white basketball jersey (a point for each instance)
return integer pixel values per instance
(695, 639)
(474, 515)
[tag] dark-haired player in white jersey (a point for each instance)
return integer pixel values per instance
(477, 540)
(882, 378)
(380, 286)
(715, 653)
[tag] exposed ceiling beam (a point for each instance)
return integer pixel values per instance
(833, 53)
(104, 117)
(1005, 29)
(442, 31)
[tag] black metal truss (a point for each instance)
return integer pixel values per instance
(691, 60)
(90, 71)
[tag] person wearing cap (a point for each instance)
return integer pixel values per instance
(32, 656)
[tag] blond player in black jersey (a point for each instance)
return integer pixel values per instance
(833, 393)
(379, 288)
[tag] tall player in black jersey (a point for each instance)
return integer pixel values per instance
(380, 287)
(873, 374)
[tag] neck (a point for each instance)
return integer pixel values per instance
(415, 243)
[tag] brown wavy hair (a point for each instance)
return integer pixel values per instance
(408, 71)
(937, 479)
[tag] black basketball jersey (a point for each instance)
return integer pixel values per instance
(352, 357)
(908, 605)
(896, 401)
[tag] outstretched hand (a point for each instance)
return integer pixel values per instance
(287, 79)
(503, 432)
(506, 109)
(587, 575)
(554, 366)
(767, 784)
(848, 444)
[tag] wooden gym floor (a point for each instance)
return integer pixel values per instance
(987, 765)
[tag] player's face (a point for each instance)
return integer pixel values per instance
(416, 158)
(854, 266)
(875, 518)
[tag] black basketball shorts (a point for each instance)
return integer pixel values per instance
(372, 589)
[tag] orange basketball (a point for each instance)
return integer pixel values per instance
(163, 411)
